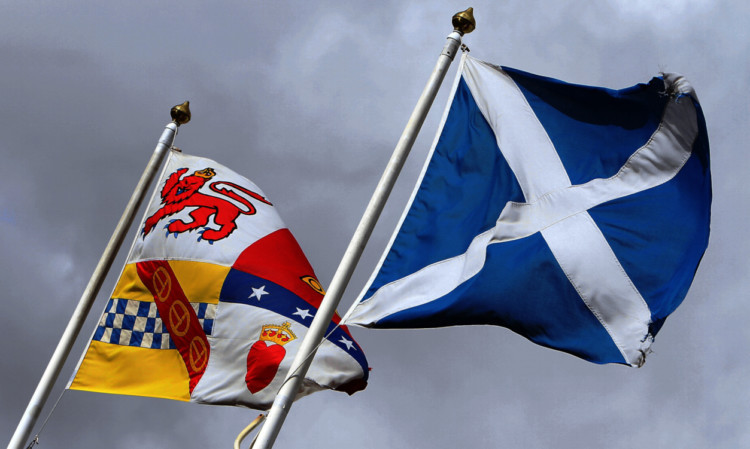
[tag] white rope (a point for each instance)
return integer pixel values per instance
(35, 441)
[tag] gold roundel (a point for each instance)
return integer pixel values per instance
(198, 354)
(313, 283)
(179, 319)
(162, 284)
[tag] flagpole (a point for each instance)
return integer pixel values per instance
(180, 115)
(463, 22)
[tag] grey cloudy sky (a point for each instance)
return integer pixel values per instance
(307, 99)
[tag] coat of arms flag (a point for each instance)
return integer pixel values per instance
(575, 216)
(214, 299)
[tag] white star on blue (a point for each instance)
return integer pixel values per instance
(302, 313)
(258, 292)
(348, 343)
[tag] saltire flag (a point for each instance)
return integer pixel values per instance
(214, 300)
(575, 216)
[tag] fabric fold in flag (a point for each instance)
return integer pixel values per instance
(575, 216)
(215, 298)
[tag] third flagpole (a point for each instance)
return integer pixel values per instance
(463, 22)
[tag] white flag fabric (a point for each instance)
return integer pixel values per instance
(214, 300)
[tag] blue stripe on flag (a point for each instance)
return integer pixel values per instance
(463, 190)
(508, 292)
(238, 288)
(594, 130)
(663, 268)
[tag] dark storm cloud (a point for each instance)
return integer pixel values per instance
(308, 99)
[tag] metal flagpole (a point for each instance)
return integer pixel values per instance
(180, 115)
(463, 22)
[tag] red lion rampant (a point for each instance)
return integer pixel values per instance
(178, 194)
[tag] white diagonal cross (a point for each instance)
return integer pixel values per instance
(557, 209)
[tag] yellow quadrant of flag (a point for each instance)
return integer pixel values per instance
(117, 369)
(137, 371)
(201, 282)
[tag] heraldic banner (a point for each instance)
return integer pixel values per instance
(215, 298)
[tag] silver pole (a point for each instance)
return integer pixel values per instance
(55, 365)
(463, 23)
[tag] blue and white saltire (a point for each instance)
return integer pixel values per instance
(575, 216)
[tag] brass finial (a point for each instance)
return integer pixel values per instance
(464, 22)
(181, 113)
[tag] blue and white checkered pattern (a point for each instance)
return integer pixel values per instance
(137, 323)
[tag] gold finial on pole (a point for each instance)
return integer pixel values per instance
(464, 22)
(181, 113)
